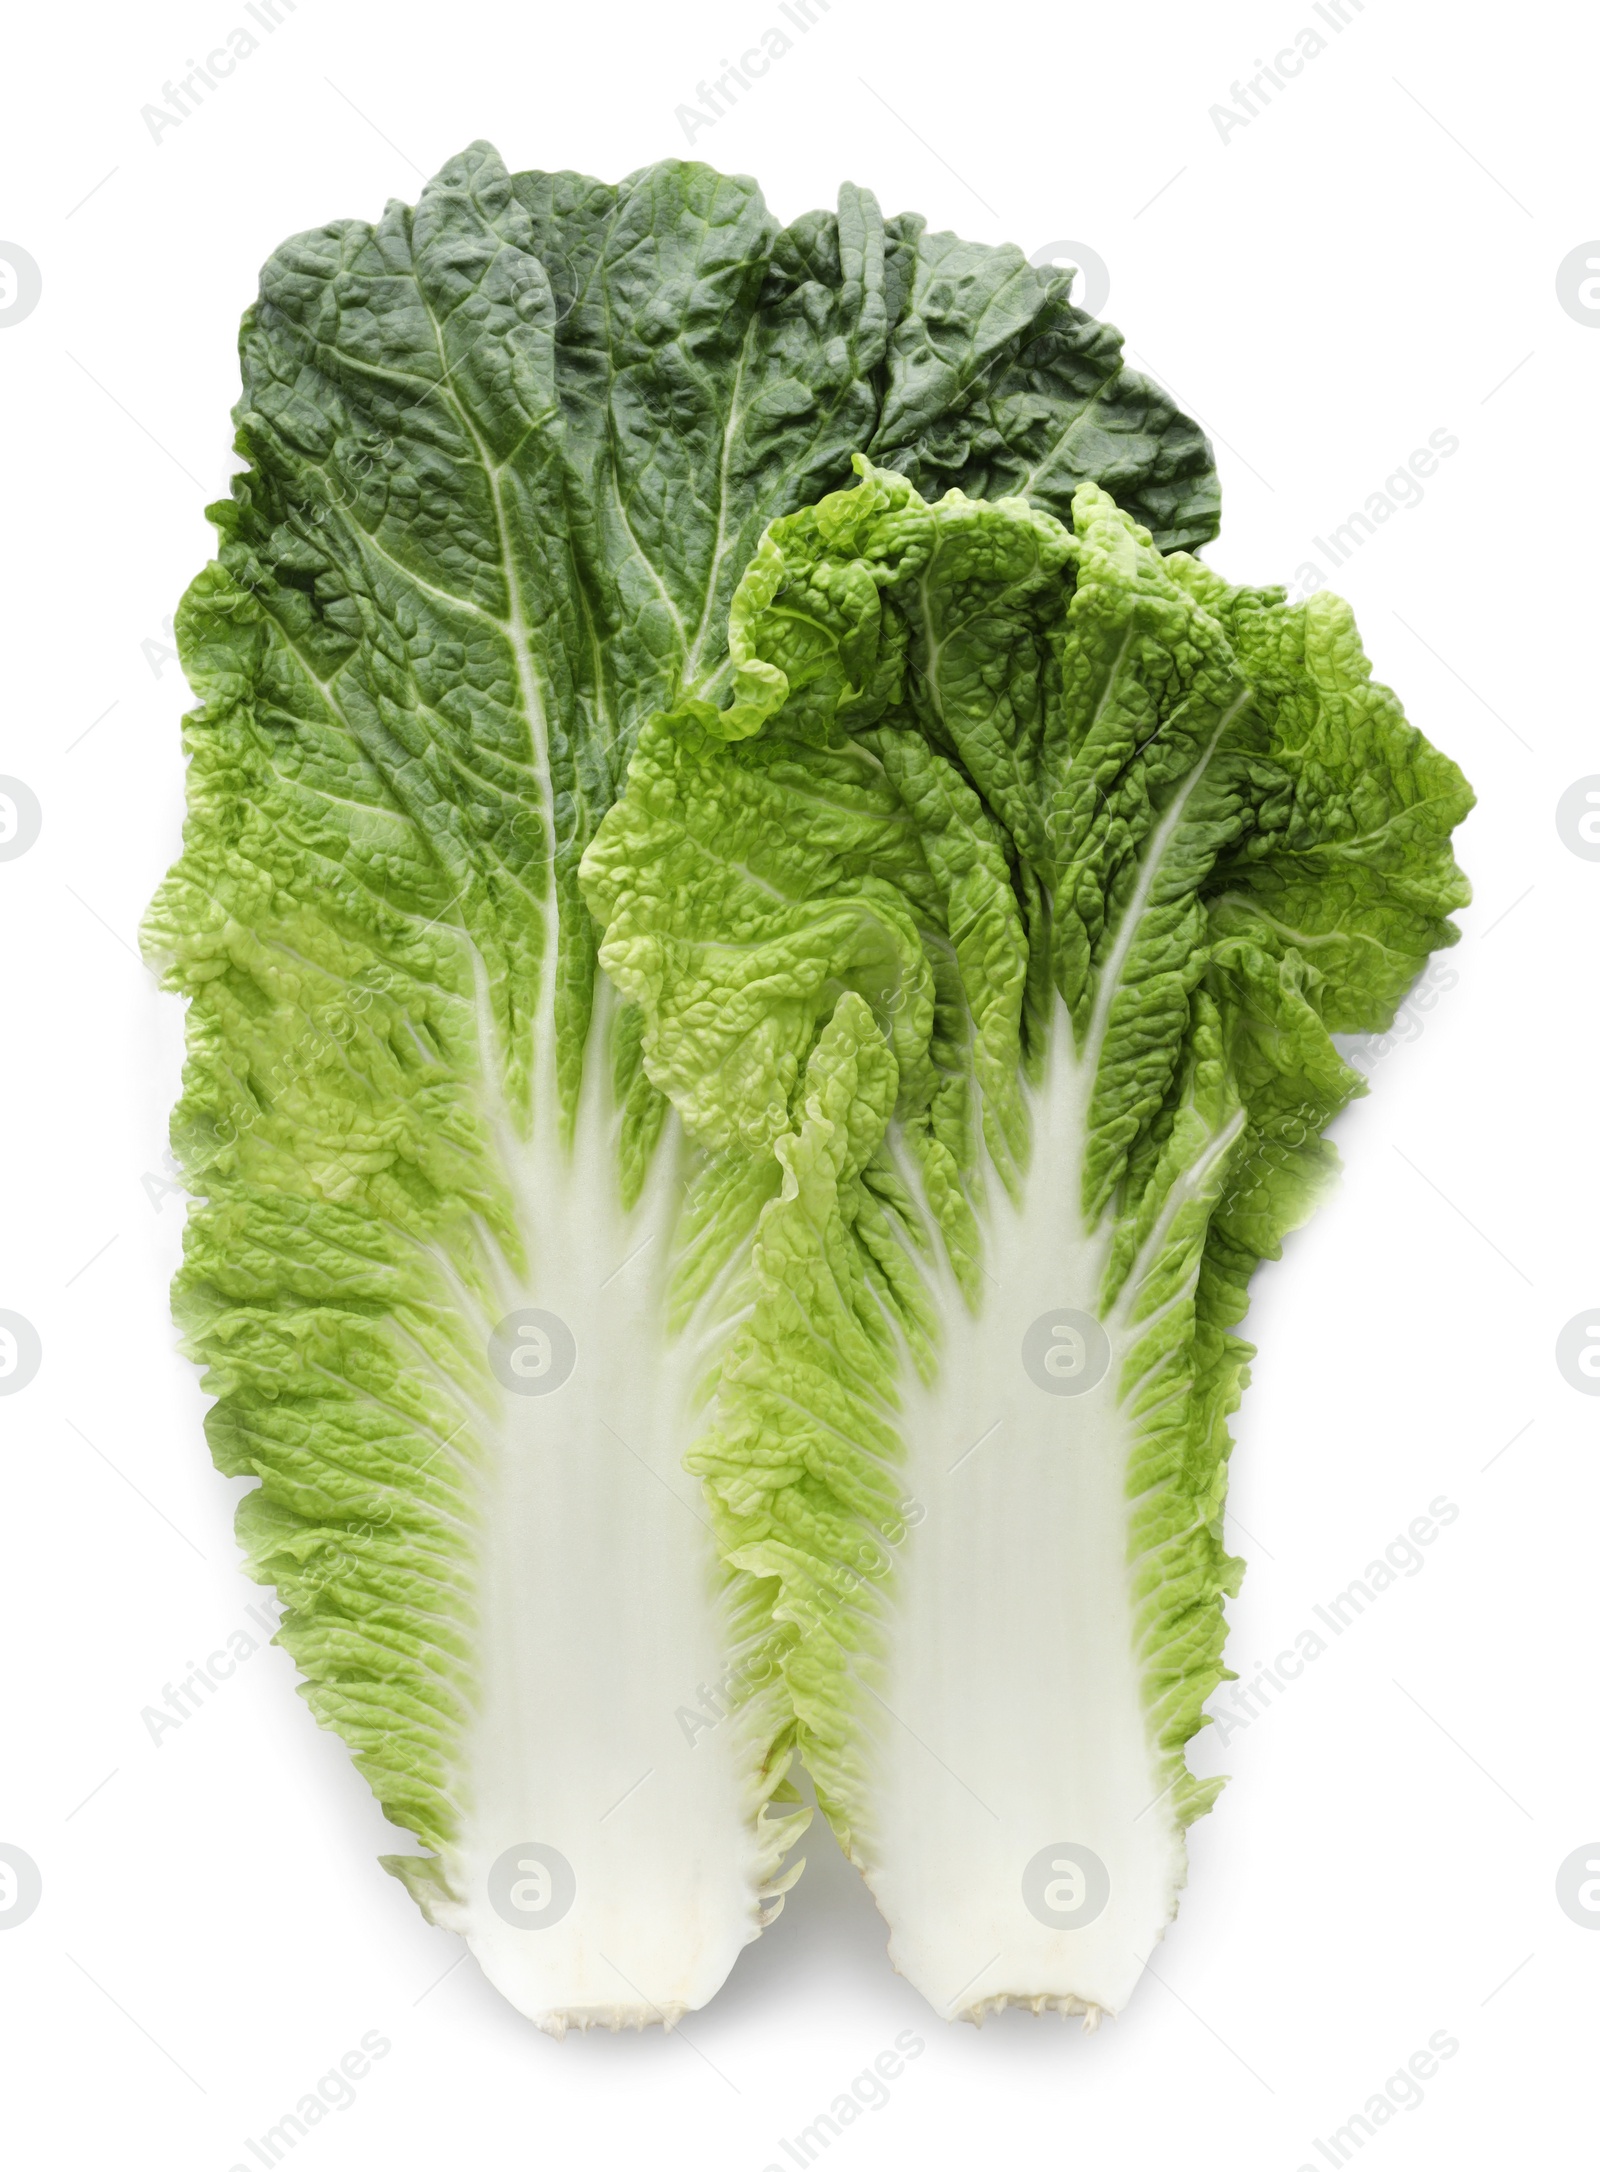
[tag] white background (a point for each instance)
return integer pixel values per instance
(1370, 259)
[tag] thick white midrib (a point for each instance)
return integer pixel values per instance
(676, 1877)
(597, 1610)
(1150, 867)
(596, 1589)
(1011, 1649)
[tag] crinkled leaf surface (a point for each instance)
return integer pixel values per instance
(1010, 904)
(459, 1277)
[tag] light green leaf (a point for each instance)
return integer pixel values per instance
(1147, 842)
(507, 455)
